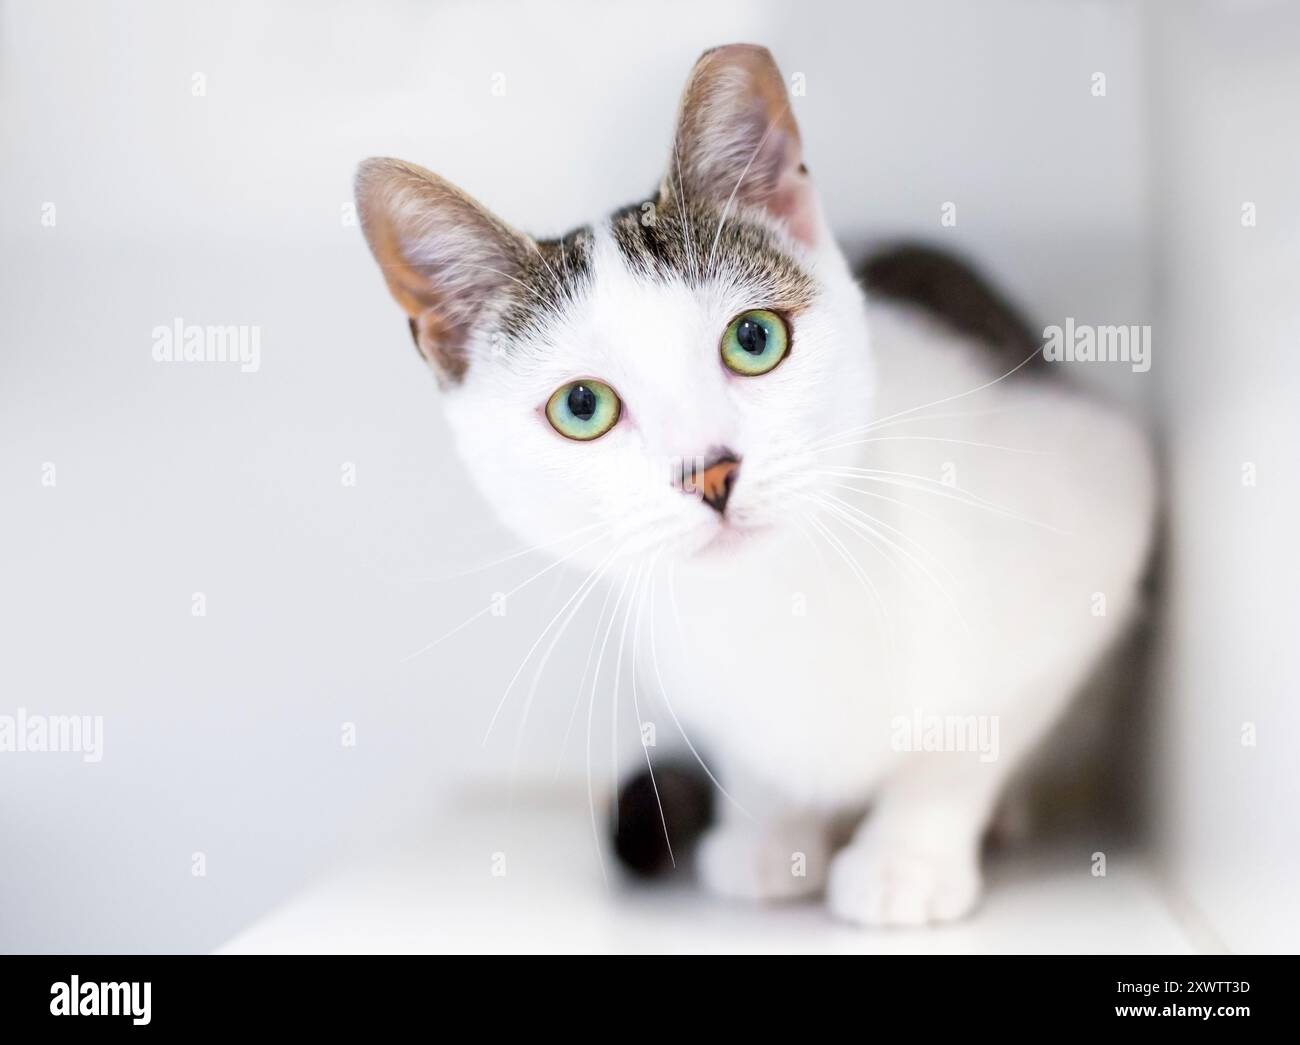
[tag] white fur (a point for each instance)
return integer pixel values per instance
(792, 649)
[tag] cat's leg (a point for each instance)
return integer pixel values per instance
(915, 859)
(761, 847)
(783, 856)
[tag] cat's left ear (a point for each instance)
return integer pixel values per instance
(445, 257)
(737, 142)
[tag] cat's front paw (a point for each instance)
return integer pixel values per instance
(887, 885)
(764, 865)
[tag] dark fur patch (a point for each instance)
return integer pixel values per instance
(661, 239)
(672, 243)
(954, 292)
(550, 280)
(685, 796)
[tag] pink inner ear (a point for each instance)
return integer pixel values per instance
(793, 201)
(777, 180)
(737, 141)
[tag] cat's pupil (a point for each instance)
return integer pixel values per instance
(582, 402)
(752, 337)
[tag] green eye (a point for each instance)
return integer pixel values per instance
(583, 409)
(755, 342)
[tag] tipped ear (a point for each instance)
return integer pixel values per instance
(737, 141)
(445, 257)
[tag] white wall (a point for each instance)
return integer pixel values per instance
(1227, 351)
(223, 732)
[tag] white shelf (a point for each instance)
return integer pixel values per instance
(439, 894)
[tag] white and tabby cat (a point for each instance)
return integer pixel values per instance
(861, 541)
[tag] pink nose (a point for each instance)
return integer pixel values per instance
(716, 482)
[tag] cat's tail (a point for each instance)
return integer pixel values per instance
(659, 818)
(950, 289)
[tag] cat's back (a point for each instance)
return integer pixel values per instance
(1045, 495)
(939, 386)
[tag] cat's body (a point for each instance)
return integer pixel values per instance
(834, 532)
(996, 619)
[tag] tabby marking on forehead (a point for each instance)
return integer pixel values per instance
(664, 240)
(550, 280)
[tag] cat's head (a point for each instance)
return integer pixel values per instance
(664, 378)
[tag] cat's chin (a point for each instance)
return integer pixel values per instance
(732, 539)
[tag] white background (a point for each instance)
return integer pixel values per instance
(223, 733)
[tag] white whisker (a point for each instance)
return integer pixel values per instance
(892, 500)
(582, 683)
(663, 690)
(933, 439)
(880, 422)
(924, 484)
(594, 578)
(858, 519)
(618, 679)
(531, 550)
(872, 426)
(688, 229)
(636, 705)
(876, 521)
(863, 578)
(591, 707)
(486, 609)
(731, 199)
(591, 577)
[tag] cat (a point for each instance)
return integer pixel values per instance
(870, 560)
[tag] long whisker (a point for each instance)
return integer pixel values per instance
(856, 518)
(595, 578)
(582, 683)
(591, 707)
(810, 537)
(663, 690)
(636, 705)
(585, 585)
(618, 679)
(688, 228)
(892, 500)
(586, 669)
(863, 578)
(924, 484)
(932, 439)
(531, 550)
(487, 609)
(953, 398)
(542, 257)
(564, 259)
(731, 199)
(871, 540)
(878, 522)
(872, 426)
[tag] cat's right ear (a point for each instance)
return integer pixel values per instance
(737, 142)
(445, 257)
